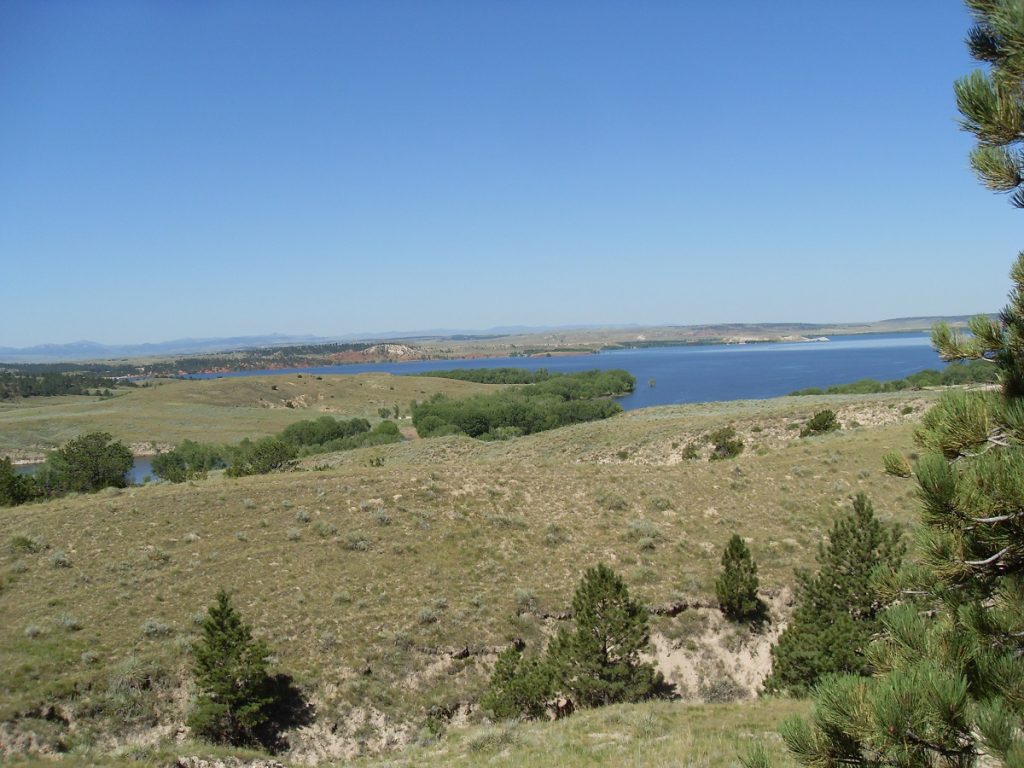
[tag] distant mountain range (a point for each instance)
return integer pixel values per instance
(91, 350)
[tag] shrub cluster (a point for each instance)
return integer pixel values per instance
(554, 402)
(820, 423)
(970, 372)
(259, 457)
(189, 461)
(192, 460)
(724, 444)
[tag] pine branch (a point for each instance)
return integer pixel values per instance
(964, 751)
(988, 560)
(997, 518)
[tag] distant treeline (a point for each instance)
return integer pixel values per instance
(239, 360)
(263, 357)
(654, 343)
(494, 375)
(971, 372)
(192, 460)
(550, 351)
(51, 383)
(553, 402)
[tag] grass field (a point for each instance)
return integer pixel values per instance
(385, 579)
(211, 410)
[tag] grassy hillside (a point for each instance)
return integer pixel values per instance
(386, 579)
(211, 410)
(654, 735)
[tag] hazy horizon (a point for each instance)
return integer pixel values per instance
(414, 333)
(193, 171)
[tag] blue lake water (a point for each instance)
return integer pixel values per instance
(141, 469)
(701, 373)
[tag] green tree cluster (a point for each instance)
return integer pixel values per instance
(555, 402)
(85, 464)
(317, 432)
(192, 460)
(494, 375)
(837, 608)
(383, 433)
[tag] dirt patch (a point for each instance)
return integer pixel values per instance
(720, 660)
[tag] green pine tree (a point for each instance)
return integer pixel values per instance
(948, 688)
(837, 607)
(599, 662)
(235, 691)
(736, 588)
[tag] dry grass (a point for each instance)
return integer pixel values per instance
(367, 569)
(655, 735)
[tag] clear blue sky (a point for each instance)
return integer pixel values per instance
(172, 169)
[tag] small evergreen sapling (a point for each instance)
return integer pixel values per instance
(235, 691)
(599, 662)
(736, 588)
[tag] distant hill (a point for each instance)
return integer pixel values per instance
(91, 350)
